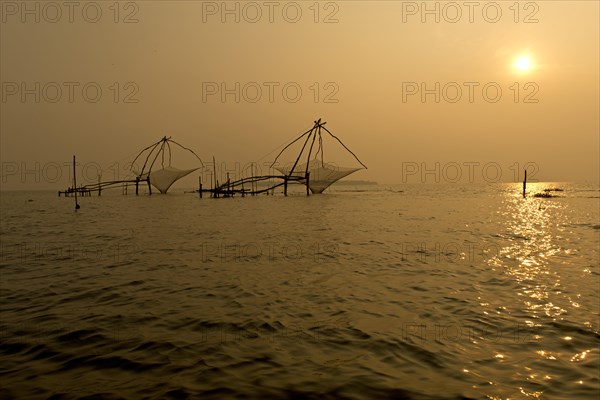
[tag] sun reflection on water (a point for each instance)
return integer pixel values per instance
(531, 235)
(535, 260)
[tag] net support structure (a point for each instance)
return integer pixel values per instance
(315, 173)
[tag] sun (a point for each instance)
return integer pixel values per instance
(523, 64)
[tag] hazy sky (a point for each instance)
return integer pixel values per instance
(362, 66)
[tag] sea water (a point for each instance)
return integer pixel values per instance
(407, 291)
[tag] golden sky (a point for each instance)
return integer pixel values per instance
(505, 82)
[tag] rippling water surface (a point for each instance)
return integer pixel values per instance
(422, 291)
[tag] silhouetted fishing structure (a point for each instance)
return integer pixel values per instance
(161, 178)
(314, 173)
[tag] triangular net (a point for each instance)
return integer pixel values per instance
(164, 177)
(321, 176)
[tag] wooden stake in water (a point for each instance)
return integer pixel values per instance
(524, 183)
(75, 184)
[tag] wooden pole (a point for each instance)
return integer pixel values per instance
(524, 184)
(215, 193)
(75, 183)
(149, 187)
(302, 150)
(285, 181)
(215, 171)
(336, 138)
(308, 183)
(200, 186)
(99, 186)
(253, 183)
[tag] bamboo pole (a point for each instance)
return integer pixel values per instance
(350, 151)
(215, 194)
(75, 183)
(289, 144)
(320, 149)
(147, 157)
(161, 151)
(301, 151)
(185, 148)
(525, 184)
(141, 152)
(254, 184)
